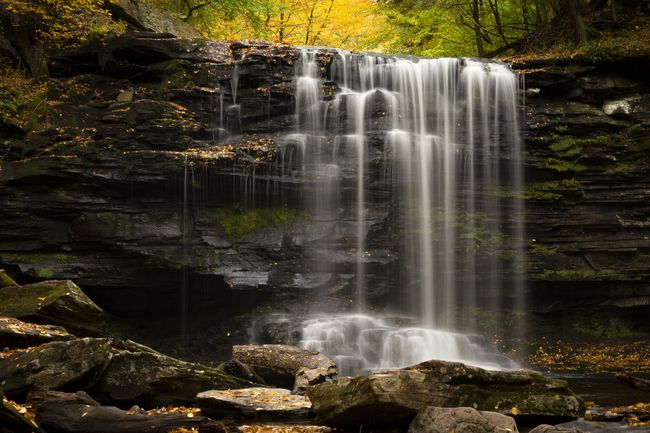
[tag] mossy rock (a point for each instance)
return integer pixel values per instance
(56, 302)
(396, 396)
(6, 280)
(151, 379)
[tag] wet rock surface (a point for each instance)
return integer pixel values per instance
(79, 413)
(461, 420)
(255, 403)
(398, 395)
(286, 366)
(55, 366)
(15, 333)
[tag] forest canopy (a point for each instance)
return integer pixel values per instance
(431, 28)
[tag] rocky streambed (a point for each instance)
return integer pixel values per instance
(57, 379)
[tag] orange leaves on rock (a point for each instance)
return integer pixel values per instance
(631, 357)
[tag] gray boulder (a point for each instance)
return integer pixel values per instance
(398, 395)
(148, 379)
(259, 403)
(144, 17)
(55, 366)
(461, 420)
(55, 302)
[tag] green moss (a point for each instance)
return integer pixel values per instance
(237, 222)
(6, 280)
(568, 274)
(543, 250)
(566, 146)
(45, 273)
(34, 257)
(16, 302)
(564, 191)
(562, 165)
(605, 328)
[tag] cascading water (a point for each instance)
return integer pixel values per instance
(440, 138)
(445, 127)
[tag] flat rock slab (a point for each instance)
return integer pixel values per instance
(78, 413)
(267, 403)
(15, 333)
(461, 420)
(56, 302)
(396, 396)
(283, 428)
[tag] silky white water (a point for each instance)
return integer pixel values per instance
(448, 130)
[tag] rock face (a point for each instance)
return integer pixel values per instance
(16, 334)
(398, 395)
(546, 428)
(286, 366)
(55, 366)
(461, 420)
(255, 403)
(158, 140)
(53, 302)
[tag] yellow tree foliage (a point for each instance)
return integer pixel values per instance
(58, 22)
(351, 24)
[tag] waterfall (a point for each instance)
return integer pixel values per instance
(449, 133)
(438, 140)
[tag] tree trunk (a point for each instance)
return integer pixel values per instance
(477, 28)
(572, 8)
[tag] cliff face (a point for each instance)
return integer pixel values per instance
(125, 192)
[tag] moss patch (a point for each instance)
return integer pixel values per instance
(17, 301)
(238, 222)
(565, 191)
(6, 280)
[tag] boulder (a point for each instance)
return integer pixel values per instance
(55, 302)
(259, 403)
(78, 413)
(546, 428)
(150, 379)
(461, 420)
(15, 333)
(142, 16)
(55, 366)
(398, 395)
(286, 366)
(241, 370)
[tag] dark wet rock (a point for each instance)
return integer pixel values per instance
(79, 413)
(142, 16)
(6, 280)
(55, 366)
(258, 403)
(546, 428)
(461, 420)
(15, 333)
(286, 366)
(398, 395)
(53, 302)
(635, 382)
(152, 379)
(241, 370)
(13, 421)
